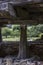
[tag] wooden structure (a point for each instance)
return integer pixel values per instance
(23, 13)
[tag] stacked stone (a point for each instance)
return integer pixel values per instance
(0, 61)
(10, 61)
(23, 62)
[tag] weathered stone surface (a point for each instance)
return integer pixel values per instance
(16, 63)
(22, 0)
(23, 62)
(10, 61)
(12, 48)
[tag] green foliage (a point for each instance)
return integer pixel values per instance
(34, 31)
(6, 31)
(16, 27)
(14, 31)
(11, 32)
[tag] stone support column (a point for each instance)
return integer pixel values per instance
(23, 42)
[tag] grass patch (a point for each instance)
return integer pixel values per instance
(11, 39)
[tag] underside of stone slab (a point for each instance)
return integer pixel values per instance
(28, 13)
(23, 0)
(21, 13)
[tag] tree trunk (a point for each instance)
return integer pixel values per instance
(23, 42)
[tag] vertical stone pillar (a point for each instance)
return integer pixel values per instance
(0, 35)
(23, 42)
